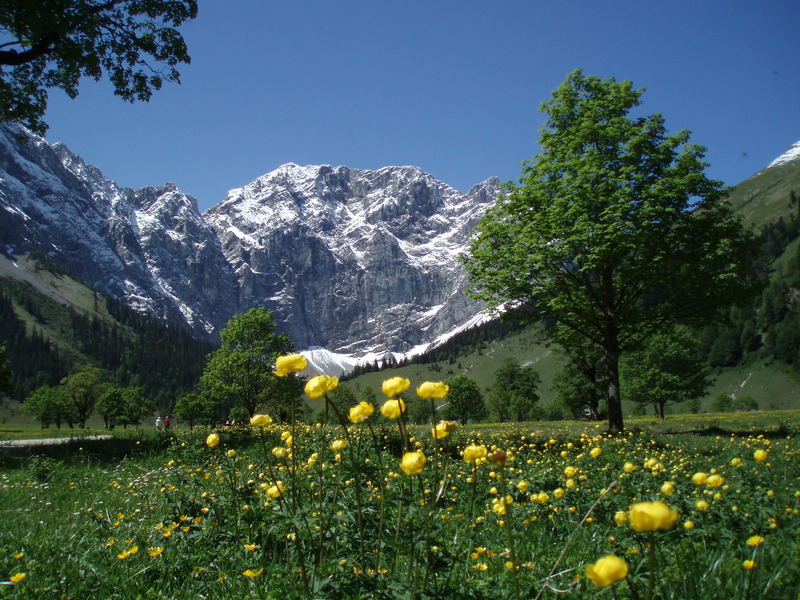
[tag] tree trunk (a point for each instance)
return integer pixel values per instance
(612, 353)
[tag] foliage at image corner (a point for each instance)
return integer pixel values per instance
(134, 44)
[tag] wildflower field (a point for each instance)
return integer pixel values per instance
(369, 507)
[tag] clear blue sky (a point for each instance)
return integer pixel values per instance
(451, 86)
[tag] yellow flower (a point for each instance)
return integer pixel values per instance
(433, 389)
(755, 540)
(652, 516)
(701, 505)
(318, 386)
(596, 451)
(231, 453)
(276, 491)
(395, 386)
(290, 363)
(260, 420)
(667, 488)
(251, 573)
(212, 440)
(338, 445)
(687, 525)
(443, 429)
(392, 409)
(570, 471)
(250, 547)
(280, 452)
(607, 570)
(361, 412)
(522, 486)
(620, 517)
(699, 478)
(736, 461)
(129, 552)
(473, 452)
(17, 577)
(760, 455)
(715, 480)
(558, 493)
(154, 551)
(748, 565)
(412, 463)
(629, 467)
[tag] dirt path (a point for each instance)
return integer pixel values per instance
(48, 441)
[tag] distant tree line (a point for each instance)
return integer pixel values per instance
(135, 350)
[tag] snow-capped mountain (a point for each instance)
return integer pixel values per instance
(354, 261)
(793, 153)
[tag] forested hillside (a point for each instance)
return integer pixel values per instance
(52, 330)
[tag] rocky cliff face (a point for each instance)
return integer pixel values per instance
(151, 247)
(351, 260)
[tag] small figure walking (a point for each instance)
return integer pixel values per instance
(166, 422)
(159, 424)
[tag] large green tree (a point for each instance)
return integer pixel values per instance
(614, 231)
(54, 43)
(240, 371)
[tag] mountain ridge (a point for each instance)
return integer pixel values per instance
(354, 260)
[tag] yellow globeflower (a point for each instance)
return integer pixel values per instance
(276, 491)
(392, 409)
(443, 429)
(699, 478)
(760, 455)
(318, 386)
(652, 516)
(231, 453)
(212, 440)
(749, 565)
(629, 467)
(570, 471)
(755, 540)
(361, 412)
(290, 364)
(338, 445)
(667, 488)
(433, 389)
(596, 451)
(620, 517)
(260, 420)
(607, 570)
(715, 480)
(701, 505)
(474, 452)
(395, 386)
(413, 463)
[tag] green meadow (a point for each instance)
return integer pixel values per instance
(299, 511)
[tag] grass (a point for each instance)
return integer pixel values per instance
(186, 520)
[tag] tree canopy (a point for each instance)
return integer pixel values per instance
(240, 372)
(53, 43)
(614, 231)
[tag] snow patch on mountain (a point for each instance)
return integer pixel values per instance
(793, 153)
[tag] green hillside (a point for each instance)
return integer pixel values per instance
(768, 195)
(53, 324)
